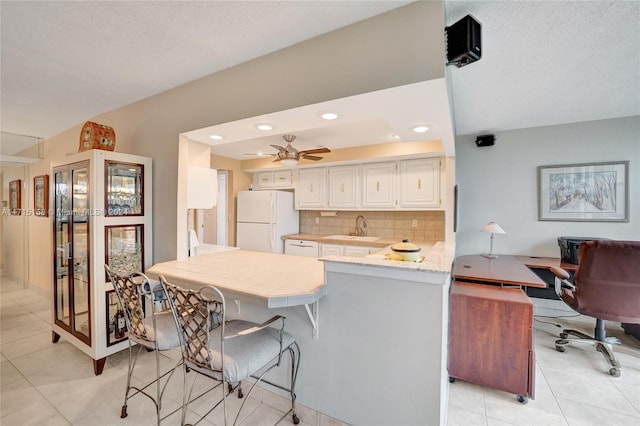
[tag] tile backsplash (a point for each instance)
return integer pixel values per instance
(429, 224)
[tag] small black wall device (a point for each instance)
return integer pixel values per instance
(463, 42)
(485, 140)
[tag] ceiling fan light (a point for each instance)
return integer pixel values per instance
(289, 162)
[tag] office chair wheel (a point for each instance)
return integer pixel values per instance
(560, 348)
(522, 400)
(615, 372)
(296, 420)
(452, 379)
(123, 412)
(240, 394)
(564, 335)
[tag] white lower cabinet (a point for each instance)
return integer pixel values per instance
(345, 250)
(358, 251)
(331, 250)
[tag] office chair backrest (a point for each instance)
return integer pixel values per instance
(608, 280)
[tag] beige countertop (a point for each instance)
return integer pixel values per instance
(381, 242)
(277, 280)
(438, 257)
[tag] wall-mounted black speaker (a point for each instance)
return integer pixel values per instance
(485, 140)
(464, 42)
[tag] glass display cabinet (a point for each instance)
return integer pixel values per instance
(124, 195)
(102, 205)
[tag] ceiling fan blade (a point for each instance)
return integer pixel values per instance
(315, 151)
(311, 157)
(260, 154)
(279, 148)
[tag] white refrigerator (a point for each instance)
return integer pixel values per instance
(263, 217)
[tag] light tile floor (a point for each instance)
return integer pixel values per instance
(53, 384)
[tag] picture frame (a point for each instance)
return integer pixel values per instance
(15, 199)
(587, 192)
(41, 196)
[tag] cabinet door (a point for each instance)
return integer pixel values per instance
(419, 184)
(356, 251)
(72, 258)
(331, 249)
(378, 185)
(310, 189)
(264, 180)
(343, 187)
(282, 179)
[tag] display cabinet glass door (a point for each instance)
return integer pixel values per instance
(124, 193)
(71, 240)
(124, 248)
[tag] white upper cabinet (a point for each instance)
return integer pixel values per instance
(378, 185)
(343, 187)
(419, 183)
(273, 179)
(310, 188)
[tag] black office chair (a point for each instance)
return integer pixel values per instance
(607, 287)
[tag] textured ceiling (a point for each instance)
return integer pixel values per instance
(65, 62)
(544, 62)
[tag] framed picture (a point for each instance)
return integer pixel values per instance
(41, 195)
(591, 192)
(15, 200)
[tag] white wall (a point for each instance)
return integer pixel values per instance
(403, 46)
(499, 183)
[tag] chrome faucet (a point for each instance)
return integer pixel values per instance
(359, 229)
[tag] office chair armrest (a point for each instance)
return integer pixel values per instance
(560, 273)
(562, 280)
(258, 327)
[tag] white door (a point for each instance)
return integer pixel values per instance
(222, 212)
(256, 236)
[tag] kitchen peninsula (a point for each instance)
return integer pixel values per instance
(379, 356)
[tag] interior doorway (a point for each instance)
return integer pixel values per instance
(214, 229)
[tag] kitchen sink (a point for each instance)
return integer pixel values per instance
(351, 238)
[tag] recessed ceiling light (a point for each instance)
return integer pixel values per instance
(395, 136)
(264, 126)
(329, 115)
(216, 137)
(420, 128)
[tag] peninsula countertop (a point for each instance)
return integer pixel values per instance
(438, 257)
(273, 280)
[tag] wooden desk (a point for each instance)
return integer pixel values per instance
(491, 327)
(505, 269)
(491, 338)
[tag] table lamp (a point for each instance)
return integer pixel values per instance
(492, 228)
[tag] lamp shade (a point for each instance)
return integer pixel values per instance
(289, 162)
(493, 228)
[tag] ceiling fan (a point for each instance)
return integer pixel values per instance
(289, 156)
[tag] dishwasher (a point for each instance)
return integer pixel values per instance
(301, 248)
